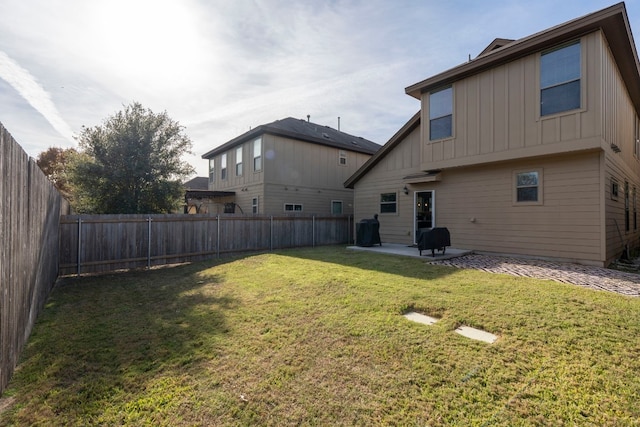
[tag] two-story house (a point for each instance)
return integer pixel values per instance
(290, 166)
(531, 148)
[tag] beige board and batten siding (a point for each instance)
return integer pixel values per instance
(496, 115)
(387, 177)
(314, 201)
(248, 177)
(307, 174)
(294, 162)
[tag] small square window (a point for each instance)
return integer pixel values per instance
(614, 189)
(342, 158)
(336, 207)
(292, 207)
(528, 187)
(388, 203)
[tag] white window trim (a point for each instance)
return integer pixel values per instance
(253, 152)
(239, 161)
(514, 186)
(583, 83)
(293, 206)
(429, 118)
(212, 170)
(342, 155)
(388, 203)
(223, 167)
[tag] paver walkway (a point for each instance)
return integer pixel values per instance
(590, 277)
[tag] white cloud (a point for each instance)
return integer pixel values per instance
(29, 88)
(220, 67)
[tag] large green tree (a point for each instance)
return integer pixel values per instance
(132, 163)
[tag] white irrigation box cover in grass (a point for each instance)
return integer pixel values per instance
(476, 334)
(420, 318)
(465, 331)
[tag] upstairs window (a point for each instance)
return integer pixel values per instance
(342, 158)
(212, 170)
(239, 161)
(336, 207)
(223, 166)
(254, 205)
(441, 114)
(257, 155)
(560, 79)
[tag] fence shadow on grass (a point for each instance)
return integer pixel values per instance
(118, 335)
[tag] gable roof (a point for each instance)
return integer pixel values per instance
(495, 44)
(613, 22)
(396, 139)
(304, 131)
(197, 183)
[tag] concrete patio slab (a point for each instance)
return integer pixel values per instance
(476, 334)
(410, 251)
(420, 318)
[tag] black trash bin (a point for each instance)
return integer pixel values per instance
(368, 232)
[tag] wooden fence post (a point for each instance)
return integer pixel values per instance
(218, 236)
(79, 242)
(149, 242)
(271, 233)
(313, 231)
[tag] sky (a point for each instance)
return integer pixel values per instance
(222, 67)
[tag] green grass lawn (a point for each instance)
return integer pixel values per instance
(317, 337)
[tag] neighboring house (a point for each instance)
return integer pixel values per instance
(198, 199)
(532, 148)
(289, 166)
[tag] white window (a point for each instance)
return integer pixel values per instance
(257, 155)
(560, 79)
(342, 158)
(528, 187)
(223, 166)
(388, 203)
(441, 113)
(336, 207)
(254, 205)
(614, 189)
(239, 161)
(292, 207)
(636, 137)
(212, 170)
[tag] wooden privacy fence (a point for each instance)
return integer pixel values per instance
(30, 209)
(100, 243)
